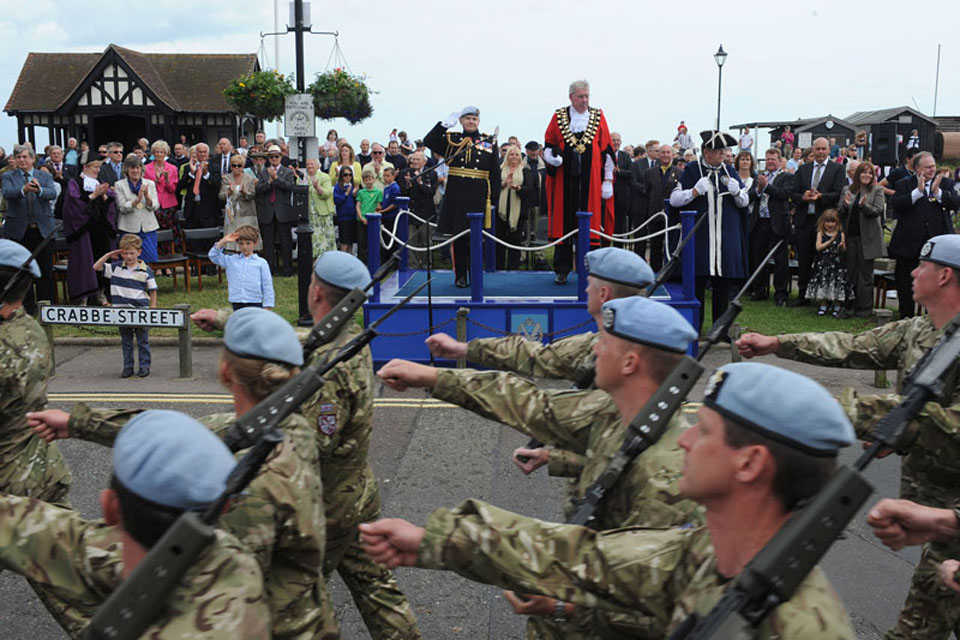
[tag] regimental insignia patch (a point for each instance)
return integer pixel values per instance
(327, 420)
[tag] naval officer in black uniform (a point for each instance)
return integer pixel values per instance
(473, 181)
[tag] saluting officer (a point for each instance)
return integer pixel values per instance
(473, 180)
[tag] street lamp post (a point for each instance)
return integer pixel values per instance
(720, 56)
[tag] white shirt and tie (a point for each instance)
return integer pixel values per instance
(818, 169)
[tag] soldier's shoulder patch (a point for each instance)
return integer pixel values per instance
(327, 420)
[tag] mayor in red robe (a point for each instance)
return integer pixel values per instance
(580, 163)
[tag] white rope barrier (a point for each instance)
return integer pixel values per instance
(394, 238)
(619, 238)
(634, 240)
(518, 248)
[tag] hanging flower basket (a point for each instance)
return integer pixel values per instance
(262, 93)
(338, 94)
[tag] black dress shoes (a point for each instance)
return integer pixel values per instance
(560, 279)
(462, 282)
(126, 373)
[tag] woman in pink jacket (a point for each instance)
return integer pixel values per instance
(164, 174)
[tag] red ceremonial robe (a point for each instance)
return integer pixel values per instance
(602, 219)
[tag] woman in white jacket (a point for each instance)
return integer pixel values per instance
(136, 206)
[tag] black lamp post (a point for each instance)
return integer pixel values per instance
(720, 56)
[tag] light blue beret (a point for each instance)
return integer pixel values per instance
(470, 110)
(943, 250)
(782, 405)
(648, 322)
(342, 270)
(620, 266)
(169, 458)
(13, 254)
(253, 332)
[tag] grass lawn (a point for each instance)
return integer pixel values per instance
(213, 296)
(766, 317)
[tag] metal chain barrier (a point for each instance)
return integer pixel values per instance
(545, 334)
(405, 334)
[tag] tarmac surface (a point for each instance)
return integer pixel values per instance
(429, 454)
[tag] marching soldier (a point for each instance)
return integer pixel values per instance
(165, 463)
(765, 441)
(28, 466)
(473, 180)
(930, 471)
(279, 518)
(342, 414)
(640, 342)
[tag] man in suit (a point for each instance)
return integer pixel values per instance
(201, 202)
(922, 204)
(61, 173)
(29, 219)
(112, 168)
(817, 186)
(770, 222)
(220, 164)
(275, 214)
(622, 186)
(658, 183)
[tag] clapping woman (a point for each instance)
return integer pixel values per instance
(238, 189)
(164, 175)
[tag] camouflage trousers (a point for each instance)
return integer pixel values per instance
(383, 607)
(931, 610)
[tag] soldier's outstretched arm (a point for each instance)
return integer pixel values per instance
(902, 523)
(935, 425)
(559, 418)
(558, 360)
(630, 570)
(100, 426)
(878, 348)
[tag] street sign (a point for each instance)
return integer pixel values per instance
(299, 119)
(114, 316)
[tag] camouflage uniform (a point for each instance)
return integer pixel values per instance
(931, 464)
(588, 425)
(667, 573)
(28, 465)
(80, 563)
(559, 359)
(280, 519)
(342, 413)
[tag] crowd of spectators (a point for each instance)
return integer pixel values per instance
(102, 193)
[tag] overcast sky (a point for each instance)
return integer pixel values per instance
(649, 64)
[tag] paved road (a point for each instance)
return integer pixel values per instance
(426, 454)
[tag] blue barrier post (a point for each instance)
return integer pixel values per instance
(583, 246)
(489, 245)
(373, 250)
(688, 261)
(476, 256)
(403, 235)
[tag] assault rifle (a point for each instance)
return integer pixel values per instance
(775, 573)
(329, 325)
(136, 602)
(653, 419)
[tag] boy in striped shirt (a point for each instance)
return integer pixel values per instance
(131, 285)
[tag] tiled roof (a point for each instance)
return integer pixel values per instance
(182, 81)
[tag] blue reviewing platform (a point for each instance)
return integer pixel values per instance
(497, 302)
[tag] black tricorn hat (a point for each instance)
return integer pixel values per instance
(714, 139)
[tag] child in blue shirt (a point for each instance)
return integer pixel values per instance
(388, 208)
(248, 275)
(345, 199)
(132, 284)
